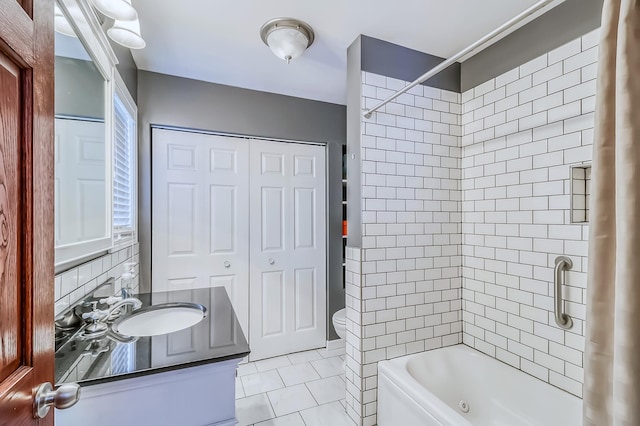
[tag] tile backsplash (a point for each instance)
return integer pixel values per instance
(73, 284)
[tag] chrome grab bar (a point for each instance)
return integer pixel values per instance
(563, 264)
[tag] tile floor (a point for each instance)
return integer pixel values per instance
(301, 389)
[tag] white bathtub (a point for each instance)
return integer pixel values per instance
(428, 389)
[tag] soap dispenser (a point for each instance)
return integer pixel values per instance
(126, 279)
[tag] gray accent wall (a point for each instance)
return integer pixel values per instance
(391, 60)
(127, 68)
(191, 104)
(560, 25)
(354, 111)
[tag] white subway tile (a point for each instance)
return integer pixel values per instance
(589, 72)
(563, 52)
(432, 92)
(69, 282)
(508, 77)
(507, 103)
(587, 57)
(547, 73)
(548, 102)
(533, 65)
(495, 95)
(519, 85)
(548, 131)
(483, 88)
(533, 93)
(520, 111)
(582, 122)
(580, 91)
(565, 111)
(563, 82)
(532, 121)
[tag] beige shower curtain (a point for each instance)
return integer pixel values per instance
(612, 359)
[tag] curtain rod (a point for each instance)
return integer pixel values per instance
(443, 65)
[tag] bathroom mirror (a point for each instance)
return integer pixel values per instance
(82, 163)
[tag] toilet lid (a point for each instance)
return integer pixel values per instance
(340, 316)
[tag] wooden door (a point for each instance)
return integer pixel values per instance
(26, 207)
(287, 248)
(200, 215)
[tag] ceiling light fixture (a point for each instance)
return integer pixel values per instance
(287, 38)
(118, 17)
(127, 33)
(116, 9)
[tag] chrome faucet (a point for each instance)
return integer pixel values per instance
(135, 303)
(98, 318)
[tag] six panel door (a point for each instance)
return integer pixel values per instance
(200, 218)
(288, 248)
(26, 213)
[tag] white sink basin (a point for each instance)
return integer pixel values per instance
(160, 319)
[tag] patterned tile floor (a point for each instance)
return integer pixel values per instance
(300, 389)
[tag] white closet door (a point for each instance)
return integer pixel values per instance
(200, 205)
(288, 248)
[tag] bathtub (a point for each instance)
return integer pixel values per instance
(459, 386)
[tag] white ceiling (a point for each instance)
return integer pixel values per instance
(218, 40)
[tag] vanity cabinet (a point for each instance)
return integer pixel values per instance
(196, 396)
(182, 378)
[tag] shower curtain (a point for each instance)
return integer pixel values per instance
(612, 359)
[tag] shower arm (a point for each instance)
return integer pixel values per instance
(444, 65)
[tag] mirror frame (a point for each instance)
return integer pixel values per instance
(94, 40)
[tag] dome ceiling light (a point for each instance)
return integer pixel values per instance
(287, 38)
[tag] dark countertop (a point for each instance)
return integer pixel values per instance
(111, 357)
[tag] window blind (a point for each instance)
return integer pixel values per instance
(123, 179)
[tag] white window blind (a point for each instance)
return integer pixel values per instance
(123, 173)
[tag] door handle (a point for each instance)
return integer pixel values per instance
(227, 264)
(66, 396)
(271, 261)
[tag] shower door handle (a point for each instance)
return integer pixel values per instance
(563, 264)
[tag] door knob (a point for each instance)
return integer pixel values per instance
(271, 261)
(227, 264)
(66, 396)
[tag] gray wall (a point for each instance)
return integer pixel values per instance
(126, 68)
(560, 25)
(354, 111)
(391, 60)
(79, 88)
(180, 102)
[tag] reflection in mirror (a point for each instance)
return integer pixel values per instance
(80, 149)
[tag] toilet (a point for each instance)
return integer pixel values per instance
(339, 320)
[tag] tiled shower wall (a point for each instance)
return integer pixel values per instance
(73, 284)
(521, 132)
(404, 285)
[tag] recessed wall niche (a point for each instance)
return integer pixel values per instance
(580, 193)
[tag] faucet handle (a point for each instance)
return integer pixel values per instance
(95, 315)
(110, 300)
